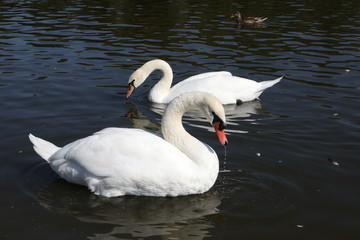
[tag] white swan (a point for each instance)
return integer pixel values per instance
(123, 161)
(227, 88)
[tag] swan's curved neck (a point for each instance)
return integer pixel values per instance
(174, 132)
(162, 88)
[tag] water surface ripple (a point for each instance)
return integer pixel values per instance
(291, 169)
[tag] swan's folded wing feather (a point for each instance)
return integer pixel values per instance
(227, 88)
(203, 76)
(115, 152)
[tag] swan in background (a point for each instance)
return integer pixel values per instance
(124, 161)
(227, 88)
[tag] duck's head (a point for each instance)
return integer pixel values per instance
(237, 16)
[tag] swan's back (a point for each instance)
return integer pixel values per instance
(227, 88)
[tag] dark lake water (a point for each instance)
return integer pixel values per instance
(291, 169)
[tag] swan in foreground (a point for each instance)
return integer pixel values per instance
(128, 161)
(227, 88)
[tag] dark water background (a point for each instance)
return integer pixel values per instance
(64, 66)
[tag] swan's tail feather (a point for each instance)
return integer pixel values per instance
(44, 148)
(270, 83)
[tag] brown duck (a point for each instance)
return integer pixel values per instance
(248, 20)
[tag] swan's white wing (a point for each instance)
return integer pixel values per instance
(208, 75)
(228, 89)
(118, 161)
(201, 76)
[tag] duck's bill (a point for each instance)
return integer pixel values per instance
(220, 132)
(130, 90)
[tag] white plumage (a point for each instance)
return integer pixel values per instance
(124, 161)
(227, 88)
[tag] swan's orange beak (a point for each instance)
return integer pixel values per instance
(130, 90)
(220, 132)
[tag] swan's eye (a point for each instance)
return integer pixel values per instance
(218, 120)
(222, 126)
(131, 84)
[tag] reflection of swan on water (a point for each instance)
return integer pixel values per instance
(141, 121)
(182, 217)
(233, 113)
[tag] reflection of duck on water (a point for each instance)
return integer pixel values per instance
(247, 20)
(180, 218)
